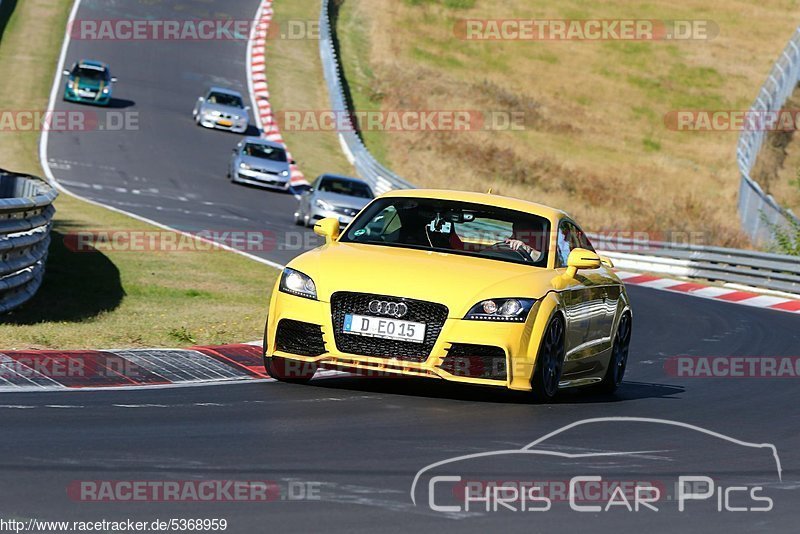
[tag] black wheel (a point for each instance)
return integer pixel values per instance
(293, 371)
(549, 362)
(619, 356)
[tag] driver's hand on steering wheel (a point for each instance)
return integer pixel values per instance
(516, 244)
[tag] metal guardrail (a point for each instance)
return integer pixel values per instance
(26, 212)
(774, 272)
(379, 177)
(760, 212)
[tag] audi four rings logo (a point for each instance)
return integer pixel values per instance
(381, 307)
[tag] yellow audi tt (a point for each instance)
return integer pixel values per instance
(467, 287)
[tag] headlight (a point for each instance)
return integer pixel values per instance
(296, 283)
(508, 310)
(284, 173)
(214, 113)
(244, 166)
(324, 205)
(106, 90)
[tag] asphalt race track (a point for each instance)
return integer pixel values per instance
(343, 452)
(168, 169)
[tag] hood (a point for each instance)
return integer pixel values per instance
(88, 83)
(265, 164)
(228, 110)
(344, 201)
(457, 281)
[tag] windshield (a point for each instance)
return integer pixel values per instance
(454, 227)
(345, 187)
(223, 99)
(264, 152)
(90, 73)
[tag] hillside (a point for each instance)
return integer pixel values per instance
(594, 140)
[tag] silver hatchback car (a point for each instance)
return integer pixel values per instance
(257, 161)
(222, 109)
(335, 196)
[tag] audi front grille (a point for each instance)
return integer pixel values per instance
(433, 315)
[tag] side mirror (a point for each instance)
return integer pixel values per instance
(113, 79)
(327, 228)
(65, 72)
(580, 258)
(292, 162)
(247, 108)
(607, 262)
(199, 98)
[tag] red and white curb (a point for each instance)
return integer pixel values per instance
(94, 370)
(725, 294)
(259, 89)
(22, 370)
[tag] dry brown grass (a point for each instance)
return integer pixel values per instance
(778, 165)
(595, 142)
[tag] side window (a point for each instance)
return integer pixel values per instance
(570, 237)
(583, 240)
(563, 244)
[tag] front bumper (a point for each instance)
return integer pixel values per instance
(262, 179)
(219, 123)
(319, 214)
(515, 340)
(98, 99)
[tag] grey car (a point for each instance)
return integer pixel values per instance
(257, 161)
(222, 109)
(335, 196)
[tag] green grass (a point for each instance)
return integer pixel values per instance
(112, 299)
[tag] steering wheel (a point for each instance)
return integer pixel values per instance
(523, 252)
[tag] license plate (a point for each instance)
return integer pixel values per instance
(364, 325)
(224, 122)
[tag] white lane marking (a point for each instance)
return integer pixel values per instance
(139, 387)
(140, 406)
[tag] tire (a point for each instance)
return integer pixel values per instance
(618, 361)
(291, 371)
(549, 362)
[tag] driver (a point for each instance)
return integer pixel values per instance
(525, 236)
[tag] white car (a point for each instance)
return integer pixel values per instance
(222, 109)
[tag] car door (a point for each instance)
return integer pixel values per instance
(584, 301)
